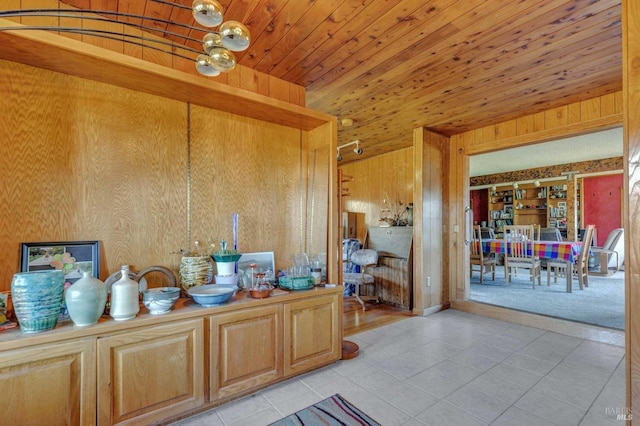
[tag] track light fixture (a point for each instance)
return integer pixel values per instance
(218, 46)
(357, 149)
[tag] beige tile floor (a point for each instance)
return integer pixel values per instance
(455, 368)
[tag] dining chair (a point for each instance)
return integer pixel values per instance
(519, 252)
(549, 234)
(486, 263)
(488, 233)
(536, 232)
(364, 258)
(580, 268)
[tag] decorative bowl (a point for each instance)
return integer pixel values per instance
(212, 294)
(296, 283)
(261, 293)
(160, 300)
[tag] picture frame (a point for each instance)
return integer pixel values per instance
(562, 205)
(264, 261)
(72, 257)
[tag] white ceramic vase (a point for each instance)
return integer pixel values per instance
(86, 299)
(125, 297)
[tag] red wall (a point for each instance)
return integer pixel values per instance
(480, 205)
(602, 198)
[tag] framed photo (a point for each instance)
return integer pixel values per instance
(264, 262)
(562, 205)
(72, 257)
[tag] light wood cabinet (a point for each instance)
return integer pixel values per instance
(310, 330)
(55, 382)
(151, 374)
(156, 368)
(246, 350)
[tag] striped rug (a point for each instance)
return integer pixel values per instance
(333, 411)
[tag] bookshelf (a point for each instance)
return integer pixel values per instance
(544, 205)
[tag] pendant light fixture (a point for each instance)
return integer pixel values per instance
(218, 46)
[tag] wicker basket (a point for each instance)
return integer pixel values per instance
(195, 271)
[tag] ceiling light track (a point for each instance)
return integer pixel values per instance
(356, 150)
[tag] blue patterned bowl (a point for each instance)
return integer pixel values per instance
(37, 297)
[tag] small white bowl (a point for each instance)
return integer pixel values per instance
(160, 300)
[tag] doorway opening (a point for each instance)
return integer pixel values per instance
(560, 187)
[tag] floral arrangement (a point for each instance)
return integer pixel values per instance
(394, 214)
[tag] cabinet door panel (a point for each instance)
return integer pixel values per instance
(246, 350)
(312, 333)
(149, 374)
(49, 384)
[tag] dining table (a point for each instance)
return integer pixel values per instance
(569, 251)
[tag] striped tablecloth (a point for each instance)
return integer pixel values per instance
(565, 250)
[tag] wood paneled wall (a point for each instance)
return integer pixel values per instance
(388, 175)
(242, 77)
(82, 160)
(570, 120)
(631, 87)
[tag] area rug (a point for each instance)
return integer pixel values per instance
(333, 411)
(601, 304)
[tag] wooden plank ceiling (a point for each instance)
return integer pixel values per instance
(449, 65)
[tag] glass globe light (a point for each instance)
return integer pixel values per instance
(207, 12)
(235, 36)
(222, 59)
(210, 41)
(204, 65)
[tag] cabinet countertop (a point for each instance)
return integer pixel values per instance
(183, 310)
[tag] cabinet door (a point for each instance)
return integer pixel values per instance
(312, 333)
(49, 384)
(151, 373)
(246, 350)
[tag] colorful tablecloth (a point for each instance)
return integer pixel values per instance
(565, 250)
